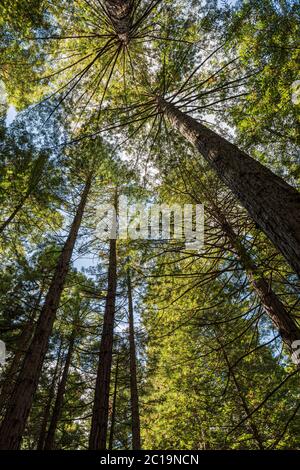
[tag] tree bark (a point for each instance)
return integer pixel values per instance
(120, 14)
(14, 421)
(272, 305)
(99, 425)
(49, 442)
(46, 414)
(114, 407)
(270, 201)
(23, 345)
(135, 415)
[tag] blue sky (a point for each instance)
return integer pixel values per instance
(11, 114)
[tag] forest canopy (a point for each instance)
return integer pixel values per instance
(146, 342)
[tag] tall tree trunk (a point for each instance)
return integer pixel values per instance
(46, 414)
(114, 406)
(14, 421)
(272, 305)
(135, 415)
(120, 14)
(98, 433)
(49, 442)
(271, 202)
(241, 395)
(22, 345)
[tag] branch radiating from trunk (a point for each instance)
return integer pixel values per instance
(14, 422)
(99, 425)
(272, 203)
(241, 394)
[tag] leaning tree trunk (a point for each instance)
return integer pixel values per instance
(14, 213)
(34, 179)
(114, 406)
(23, 344)
(271, 202)
(18, 409)
(135, 415)
(56, 413)
(120, 14)
(272, 305)
(98, 433)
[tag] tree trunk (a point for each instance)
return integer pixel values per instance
(272, 305)
(14, 422)
(46, 414)
(23, 345)
(49, 442)
(271, 202)
(135, 416)
(114, 406)
(120, 14)
(98, 433)
(14, 213)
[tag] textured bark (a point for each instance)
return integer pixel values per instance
(50, 397)
(270, 201)
(120, 14)
(135, 415)
(56, 413)
(272, 305)
(114, 407)
(98, 433)
(23, 344)
(18, 409)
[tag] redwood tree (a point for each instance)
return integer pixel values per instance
(21, 399)
(99, 425)
(272, 203)
(135, 416)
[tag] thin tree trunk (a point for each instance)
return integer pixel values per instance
(120, 14)
(98, 433)
(271, 202)
(14, 422)
(34, 179)
(114, 406)
(244, 403)
(14, 213)
(46, 414)
(49, 442)
(135, 415)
